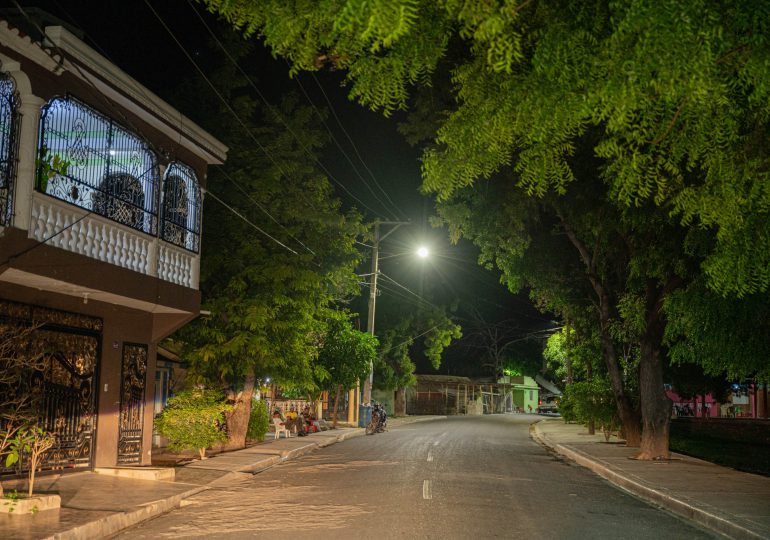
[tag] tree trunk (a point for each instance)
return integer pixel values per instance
(399, 403)
(656, 407)
(238, 418)
(336, 404)
(629, 417)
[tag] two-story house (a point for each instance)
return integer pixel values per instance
(100, 234)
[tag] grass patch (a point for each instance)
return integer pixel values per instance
(742, 456)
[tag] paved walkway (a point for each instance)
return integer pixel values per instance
(97, 505)
(733, 503)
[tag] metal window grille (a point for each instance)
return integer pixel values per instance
(180, 218)
(88, 160)
(9, 117)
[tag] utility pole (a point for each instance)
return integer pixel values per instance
(367, 398)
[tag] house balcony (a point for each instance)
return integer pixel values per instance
(71, 228)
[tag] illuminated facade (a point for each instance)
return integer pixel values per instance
(100, 228)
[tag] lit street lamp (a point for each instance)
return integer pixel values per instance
(367, 397)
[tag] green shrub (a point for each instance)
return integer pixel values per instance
(194, 419)
(590, 400)
(259, 421)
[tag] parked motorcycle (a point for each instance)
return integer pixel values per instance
(379, 420)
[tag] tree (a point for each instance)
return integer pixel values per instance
(18, 361)
(277, 250)
(395, 366)
(501, 345)
(582, 256)
(678, 90)
(671, 99)
(346, 355)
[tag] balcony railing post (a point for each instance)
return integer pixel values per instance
(153, 257)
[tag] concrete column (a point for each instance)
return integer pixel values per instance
(351, 406)
(25, 178)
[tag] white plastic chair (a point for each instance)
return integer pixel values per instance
(280, 427)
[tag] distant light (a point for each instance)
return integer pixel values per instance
(422, 252)
(112, 152)
(267, 380)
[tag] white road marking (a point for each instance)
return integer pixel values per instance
(430, 455)
(426, 491)
(435, 443)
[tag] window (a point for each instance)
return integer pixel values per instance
(180, 219)
(88, 160)
(8, 140)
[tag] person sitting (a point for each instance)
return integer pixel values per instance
(310, 422)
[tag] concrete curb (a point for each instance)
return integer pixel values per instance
(679, 507)
(110, 525)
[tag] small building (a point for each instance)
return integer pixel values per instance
(100, 234)
(526, 393)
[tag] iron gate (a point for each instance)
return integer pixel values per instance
(60, 386)
(134, 376)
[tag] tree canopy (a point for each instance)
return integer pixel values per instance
(678, 91)
(278, 250)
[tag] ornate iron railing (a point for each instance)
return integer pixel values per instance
(181, 209)
(9, 117)
(88, 160)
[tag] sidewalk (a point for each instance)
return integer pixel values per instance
(100, 504)
(733, 503)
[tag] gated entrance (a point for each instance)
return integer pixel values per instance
(59, 386)
(134, 377)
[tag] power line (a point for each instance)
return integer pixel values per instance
(410, 339)
(232, 111)
(408, 290)
(263, 209)
(353, 144)
(278, 115)
(234, 211)
(344, 153)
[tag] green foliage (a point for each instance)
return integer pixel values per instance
(672, 96)
(395, 367)
(270, 291)
(259, 421)
(726, 336)
(49, 165)
(193, 419)
(585, 401)
(346, 354)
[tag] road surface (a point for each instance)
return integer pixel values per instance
(464, 477)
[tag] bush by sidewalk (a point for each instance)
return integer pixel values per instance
(259, 421)
(193, 419)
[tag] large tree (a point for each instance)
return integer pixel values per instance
(671, 96)
(277, 251)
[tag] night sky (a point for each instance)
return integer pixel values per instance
(131, 36)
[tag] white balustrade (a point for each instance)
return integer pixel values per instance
(176, 265)
(76, 230)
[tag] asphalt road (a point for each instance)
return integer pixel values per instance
(464, 477)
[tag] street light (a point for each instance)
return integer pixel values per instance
(422, 252)
(367, 398)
